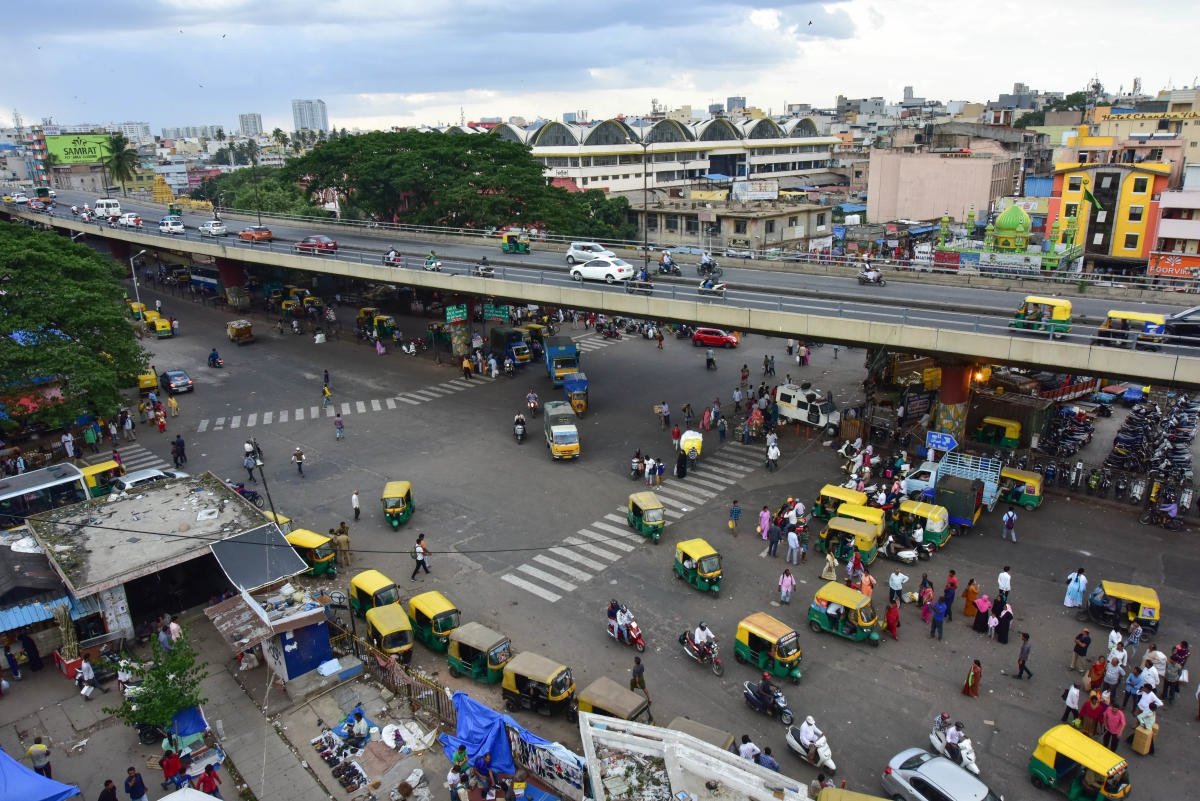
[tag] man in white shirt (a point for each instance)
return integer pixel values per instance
(954, 736)
(624, 618)
(1158, 659)
(1004, 584)
(1119, 653)
(896, 583)
(793, 552)
(702, 636)
(809, 734)
(748, 750)
(1146, 697)
(1150, 674)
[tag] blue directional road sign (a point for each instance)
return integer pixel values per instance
(937, 441)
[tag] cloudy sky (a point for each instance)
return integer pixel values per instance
(378, 63)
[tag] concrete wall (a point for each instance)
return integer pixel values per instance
(923, 186)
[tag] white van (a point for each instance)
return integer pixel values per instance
(108, 207)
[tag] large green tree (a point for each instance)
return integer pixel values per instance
(64, 325)
(122, 161)
(170, 683)
(237, 190)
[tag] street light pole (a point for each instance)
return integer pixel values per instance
(133, 274)
(645, 211)
(258, 462)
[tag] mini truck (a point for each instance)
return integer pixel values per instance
(962, 483)
(562, 359)
(562, 438)
(510, 343)
(803, 404)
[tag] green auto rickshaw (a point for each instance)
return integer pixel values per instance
(397, 502)
(933, 520)
(316, 550)
(699, 564)
(1020, 487)
(770, 645)
(844, 611)
(477, 652)
(1069, 761)
(370, 589)
(998, 431)
(433, 617)
(534, 682)
(833, 496)
(646, 514)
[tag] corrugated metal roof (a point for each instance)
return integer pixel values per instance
(27, 614)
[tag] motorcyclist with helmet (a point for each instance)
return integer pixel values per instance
(809, 734)
(765, 690)
(624, 618)
(703, 638)
(532, 400)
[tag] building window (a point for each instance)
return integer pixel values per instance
(652, 225)
(770, 226)
(1072, 210)
(691, 225)
(1098, 239)
(1131, 241)
(1106, 181)
(739, 226)
(1074, 183)
(792, 221)
(672, 222)
(821, 220)
(1135, 213)
(1139, 185)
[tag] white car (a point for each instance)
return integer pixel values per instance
(586, 251)
(213, 228)
(608, 269)
(141, 478)
(20, 197)
(170, 226)
(130, 220)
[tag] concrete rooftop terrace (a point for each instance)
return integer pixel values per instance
(106, 542)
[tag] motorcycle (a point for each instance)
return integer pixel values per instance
(519, 432)
(683, 332)
(392, 259)
(509, 370)
(898, 551)
(669, 269)
(1165, 515)
(710, 269)
(824, 755)
(937, 739)
(1076, 475)
(433, 265)
(533, 407)
(634, 471)
(634, 636)
(248, 494)
(777, 707)
(1093, 481)
(712, 658)
(611, 332)
(871, 277)
(218, 362)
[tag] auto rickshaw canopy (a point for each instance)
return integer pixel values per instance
(774, 630)
(396, 495)
(840, 494)
(304, 538)
(474, 635)
(393, 627)
(436, 608)
(1147, 322)
(705, 733)
(1060, 308)
(647, 506)
(1007, 429)
(1144, 597)
(1078, 747)
(865, 535)
(1031, 480)
(555, 676)
(575, 382)
(99, 476)
(866, 514)
(708, 561)
(840, 794)
(936, 518)
(372, 583)
(606, 697)
(854, 602)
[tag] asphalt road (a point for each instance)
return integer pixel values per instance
(491, 508)
(912, 300)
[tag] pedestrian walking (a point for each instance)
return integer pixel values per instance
(722, 429)
(135, 785)
(787, 585)
(181, 449)
(209, 781)
(793, 551)
(420, 553)
(659, 336)
(892, 618)
(326, 395)
(91, 439)
(1083, 641)
(173, 405)
(651, 471)
(675, 436)
(637, 677)
(1023, 657)
(1009, 525)
(948, 593)
(1003, 584)
(14, 667)
(326, 378)
(341, 544)
(664, 412)
(737, 399)
(68, 443)
(660, 469)
(771, 365)
(735, 514)
(467, 367)
(774, 535)
(804, 535)
(1076, 589)
(355, 505)
(339, 427)
(109, 793)
(896, 583)
(936, 618)
(1114, 727)
(1114, 675)
(764, 522)
(1133, 685)
(974, 679)
(158, 307)
(39, 755)
(249, 464)
(298, 460)
(867, 584)
(1070, 697)
(160, 419)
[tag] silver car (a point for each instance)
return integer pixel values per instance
(140, 478)
(914, 774)
(212, 228)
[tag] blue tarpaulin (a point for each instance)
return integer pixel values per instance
(18, 781)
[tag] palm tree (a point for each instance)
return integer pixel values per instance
(280, 138)
(221, 139)
(122, 161)
(251, 152)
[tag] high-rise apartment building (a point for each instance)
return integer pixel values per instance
(310, 115)
(250, 124)
(191, 132)
(136, 132)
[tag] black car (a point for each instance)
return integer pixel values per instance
(175, 381)
(1184, 327)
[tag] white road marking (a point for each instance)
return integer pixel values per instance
(359, 407)
(283, 416)
(692, 480)
(220, 423)
(572, 572)
(619, 532)
(345, 408)
(579, 544)
(252, 420)
(409, 401)
(548, 578)
(236, 422)
(390, 402)
(376, 406)
(567, 553)
(200, 429)
(268, 417)
(529, 586)
(608, 542)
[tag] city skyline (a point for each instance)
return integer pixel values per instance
(431, 64)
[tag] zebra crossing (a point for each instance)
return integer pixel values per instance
(298, 414)
(587, 552)
(134, 456)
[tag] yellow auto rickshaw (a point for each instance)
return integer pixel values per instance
(313, 302)
(845, 535)
(515, 242)
(699, 564)
(389, 630)
(296, 292)
(1020, 487)
(844, 611)
(840, 794)
(871, 515)
(162, 329)
(366, 316)
(370, 589)
(1082, 769)
(533, 332)
(703, 732)
(534, 682)
(316, 550)
(99, 477)
(147, 383)
(137, 310)
(433, 618)
(646, 514)
(575, 389)
(833, 496)
(384, 325)
(1046, 315)
(397, 502)
(1126, 329)
(283, 522)
(605, 697)
(240, 332)
(934, 521)
(477, 652)
(1115, 605)
(291, 308)
(770, 645)
(998, 431)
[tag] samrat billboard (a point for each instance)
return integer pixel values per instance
(78, 148)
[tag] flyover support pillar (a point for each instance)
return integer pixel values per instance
(953, 397)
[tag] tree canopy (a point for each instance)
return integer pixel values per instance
(169, 684)
(65, 326)
(256, 188)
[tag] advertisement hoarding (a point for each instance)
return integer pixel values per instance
(78, 148)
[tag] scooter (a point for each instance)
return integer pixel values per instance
(937, 739)
(871, 277)
(824, 755)
(777, 708)
(1076, 475)
(894, 550)
(670, 268)
(248, 494)
(611, 332)
(509, 370)
(634, 472)
(712, 659)
(634, 636)
(433, 265)
(218, 362)
(533, 407)
(519, 432)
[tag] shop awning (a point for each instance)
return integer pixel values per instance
(258, 557)
(27, 614)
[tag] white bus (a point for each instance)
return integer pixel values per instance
(38, 491)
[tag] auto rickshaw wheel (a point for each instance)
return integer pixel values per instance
(510, 705)
(815, 626)
(716, 593)
(741, 660)
(1037, 782)
(454, 672)
(796, 680)
(875, 642)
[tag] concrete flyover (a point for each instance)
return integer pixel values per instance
(905, 333)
